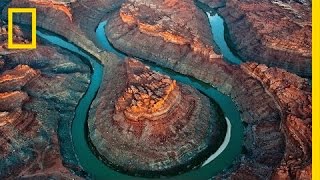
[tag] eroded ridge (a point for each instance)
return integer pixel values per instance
(268, 110)
(63, 6)
(277, 38)
(149, 95)
(39, 90)
(17, 36)
(265, 141)
(176, 132)
(293, 95)
(156, 18)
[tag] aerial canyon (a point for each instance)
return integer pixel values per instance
(169, 89)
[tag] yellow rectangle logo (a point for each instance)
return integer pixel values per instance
(33, 13)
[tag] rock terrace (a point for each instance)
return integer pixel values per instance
(177, 133)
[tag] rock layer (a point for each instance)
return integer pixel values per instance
(154, 26)
(280, 37)
(18, 36)
(149, 95)
(293, 95)
(39, 91)
(75, 20)
(147, 124)
(268, 154)
(260, 110)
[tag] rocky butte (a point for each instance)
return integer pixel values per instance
(145, 123)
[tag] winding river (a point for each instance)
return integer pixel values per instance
(218, 32)
(222, 158)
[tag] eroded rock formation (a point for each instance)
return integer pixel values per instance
(293, 95)
(39, 90)
(275, 33)
(145, 123)
(18, 36)
(75, 20)
(153, 27)
(260, 109)
(176, 35)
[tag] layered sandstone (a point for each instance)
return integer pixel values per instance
(18, 36)
(181, 40)
(293, 95)
(275, 33)
(149, 95)
(154, 27)
(39, 91)
(264, 141)
(144, 123)
(75, 20)
(16, 78)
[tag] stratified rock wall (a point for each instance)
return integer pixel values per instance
(39, 91)
(293, 95)
(274, 104)
(75, 20)
(275, 33)
(260, 109)
(144, 123)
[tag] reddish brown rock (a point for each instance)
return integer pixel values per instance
(16, 78)
(18, 36)
(152, 25)
(214, 3)
(35, 86)
(259, 108)
(76, 20)
(293, 95)
(12, 100)
(280, 38)
(145, 123)
(149, 95)
(60, 6)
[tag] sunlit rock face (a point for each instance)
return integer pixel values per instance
(270, 111)
(39, 90)
(155, 18)
(144, 122)
(275, 33)
(56, 5)
(178, 28)
(264, 142)
(75, 20)
(12, 99)
(17, 78)
(149, 95)
(17, 37)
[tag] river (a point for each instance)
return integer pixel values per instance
(222, 158)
